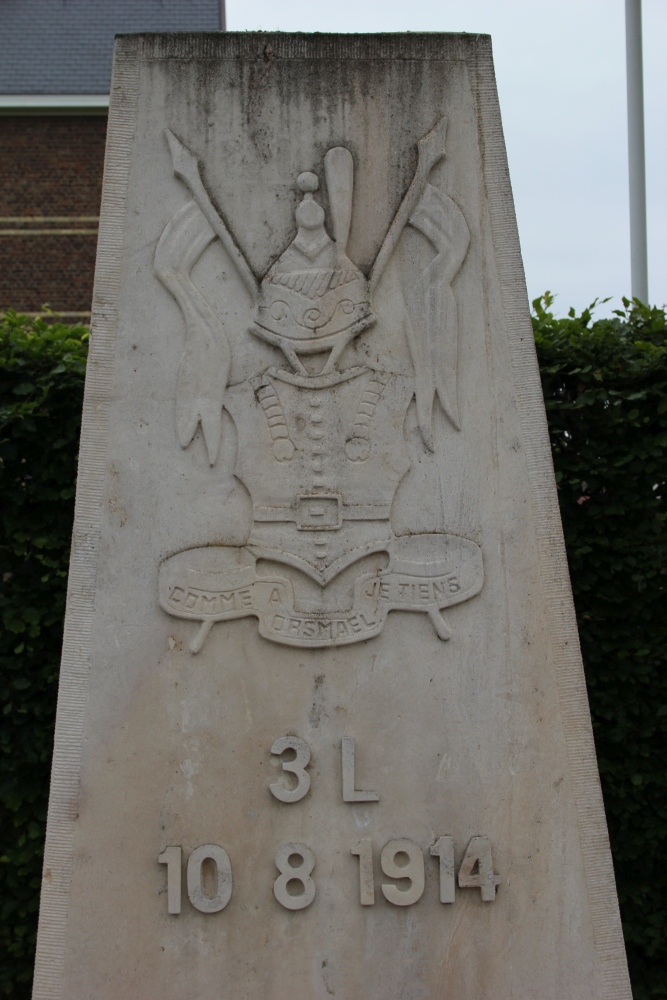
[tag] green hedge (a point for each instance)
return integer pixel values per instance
(42, 367)
(605, 388)
(604, 384)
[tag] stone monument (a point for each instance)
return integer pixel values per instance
(322, 724)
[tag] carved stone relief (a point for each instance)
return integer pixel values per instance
(312, 389)
(320, 446)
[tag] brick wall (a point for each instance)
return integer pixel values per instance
(50, 192)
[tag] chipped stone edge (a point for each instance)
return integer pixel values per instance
(48, 983)
(553, 569)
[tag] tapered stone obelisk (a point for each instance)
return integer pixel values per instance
(322, 724)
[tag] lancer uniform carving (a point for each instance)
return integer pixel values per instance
(322, 455)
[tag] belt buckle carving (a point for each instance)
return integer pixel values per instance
(316, 512)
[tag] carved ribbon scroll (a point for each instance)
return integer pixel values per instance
(206, 360)
(432, 324)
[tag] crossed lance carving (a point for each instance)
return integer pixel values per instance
(321, 497)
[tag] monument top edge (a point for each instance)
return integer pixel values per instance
(301, 45)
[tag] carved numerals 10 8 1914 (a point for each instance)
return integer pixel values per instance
(399, 859)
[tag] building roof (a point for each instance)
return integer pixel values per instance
(65, 46)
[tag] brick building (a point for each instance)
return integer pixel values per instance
(55, 72)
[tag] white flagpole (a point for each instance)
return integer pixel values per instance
(636, 155)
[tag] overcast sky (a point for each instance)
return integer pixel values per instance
(560, 66)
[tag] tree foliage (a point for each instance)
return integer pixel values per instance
(42, 367)
(604, 384)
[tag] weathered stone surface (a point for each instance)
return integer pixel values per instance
(322, 728)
